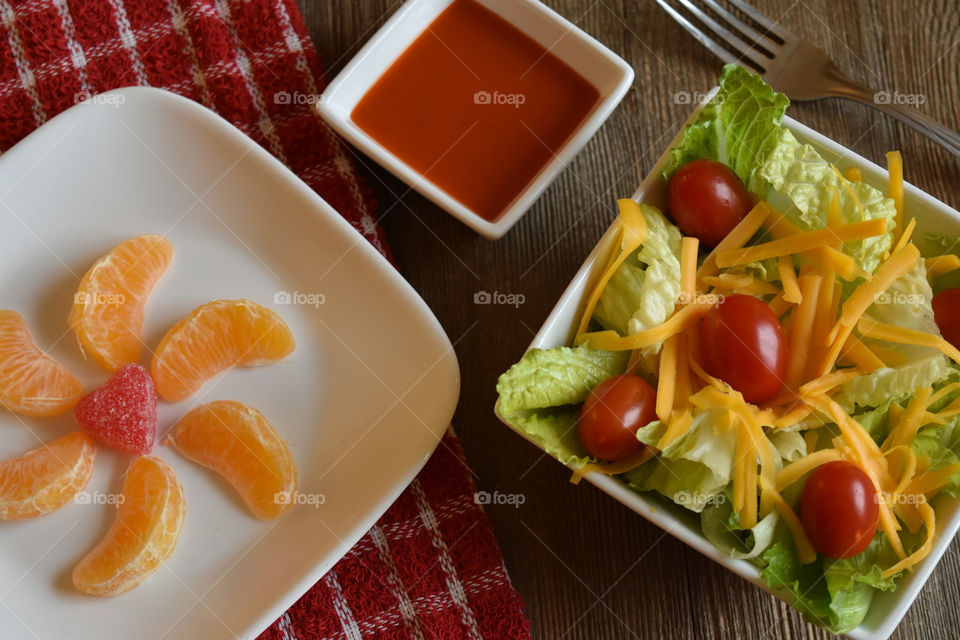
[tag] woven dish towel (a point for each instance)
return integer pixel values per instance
(430, 568)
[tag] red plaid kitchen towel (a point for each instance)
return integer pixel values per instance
(431, 567)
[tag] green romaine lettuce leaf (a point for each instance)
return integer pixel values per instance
(555, 377)
(906, 303)
(538, 395)
(804, 183)
(835, 594)
(643, 292)
(938, 444)
(740, 126)
(718, 523)
(801, 585)
(694, 469)
(938, 245)
(875, 388)
(556, 430)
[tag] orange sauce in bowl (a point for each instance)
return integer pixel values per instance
(476, 106)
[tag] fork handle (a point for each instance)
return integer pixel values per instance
(846, 88)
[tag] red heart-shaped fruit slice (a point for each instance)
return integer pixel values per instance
(123, 412)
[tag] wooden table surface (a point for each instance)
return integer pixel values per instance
(587, 566)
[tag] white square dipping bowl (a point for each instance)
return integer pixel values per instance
(933, 216)
(611, 76)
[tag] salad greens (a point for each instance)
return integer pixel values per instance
(740, 127)
(642, 293)
(541, 394)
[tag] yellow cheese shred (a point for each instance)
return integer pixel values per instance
(678, 322)
(853, 174)
(895, 169)
(805, 551)
(862, 356)
(930, 522)
(802, 242)
(905, 235)
(779, 305)
(678, 425)
(797, 469)
(797, 413)
(932, 481)
(745, 477)
(825, 384)
(939, 265)
(828, 256)
(910, 422)
(614, 468)
(741, 283)
(688, 269)
(666, 380)
(632, 234)
(870, 328)
(899, 263)
(828, 305)
(788, 277)
(801, 329)
(850, 192)
(738, 236)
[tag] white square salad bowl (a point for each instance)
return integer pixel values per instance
(933, 216)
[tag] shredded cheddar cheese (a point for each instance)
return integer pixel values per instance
(632, 233)
(802, 329)
(788, 277)
(741, 284)
(802, 242)
(899, 263)
(666, 381)
(679, 321)
(895, 169)
(881, 331)
(688, 268)
(737, 238)
(796, 470)
(939, 265)
(853, 174)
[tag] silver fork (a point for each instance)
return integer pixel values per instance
(792, 65)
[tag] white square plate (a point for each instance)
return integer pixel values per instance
(609, 73)
(932, 216)
(362, 402)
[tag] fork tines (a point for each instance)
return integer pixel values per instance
(743, 43)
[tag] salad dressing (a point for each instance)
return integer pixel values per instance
(476, 106)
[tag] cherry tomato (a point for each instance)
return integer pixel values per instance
(946, 311)
(742, 343)
(839, 509)
(707, 200)
(611, 415)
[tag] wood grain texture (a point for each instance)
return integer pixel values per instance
(587, 566)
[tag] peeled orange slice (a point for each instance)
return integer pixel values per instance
(47, 478)
(215, 337)
(107, 313)
(31, 382)
(239, 443)
(149, 517)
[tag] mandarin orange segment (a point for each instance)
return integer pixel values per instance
(47, 478)
(238, 442)
(31, 382)
(107, 313)
(143, 536)
(215, 337)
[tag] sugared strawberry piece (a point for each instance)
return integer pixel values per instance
(123, 412)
